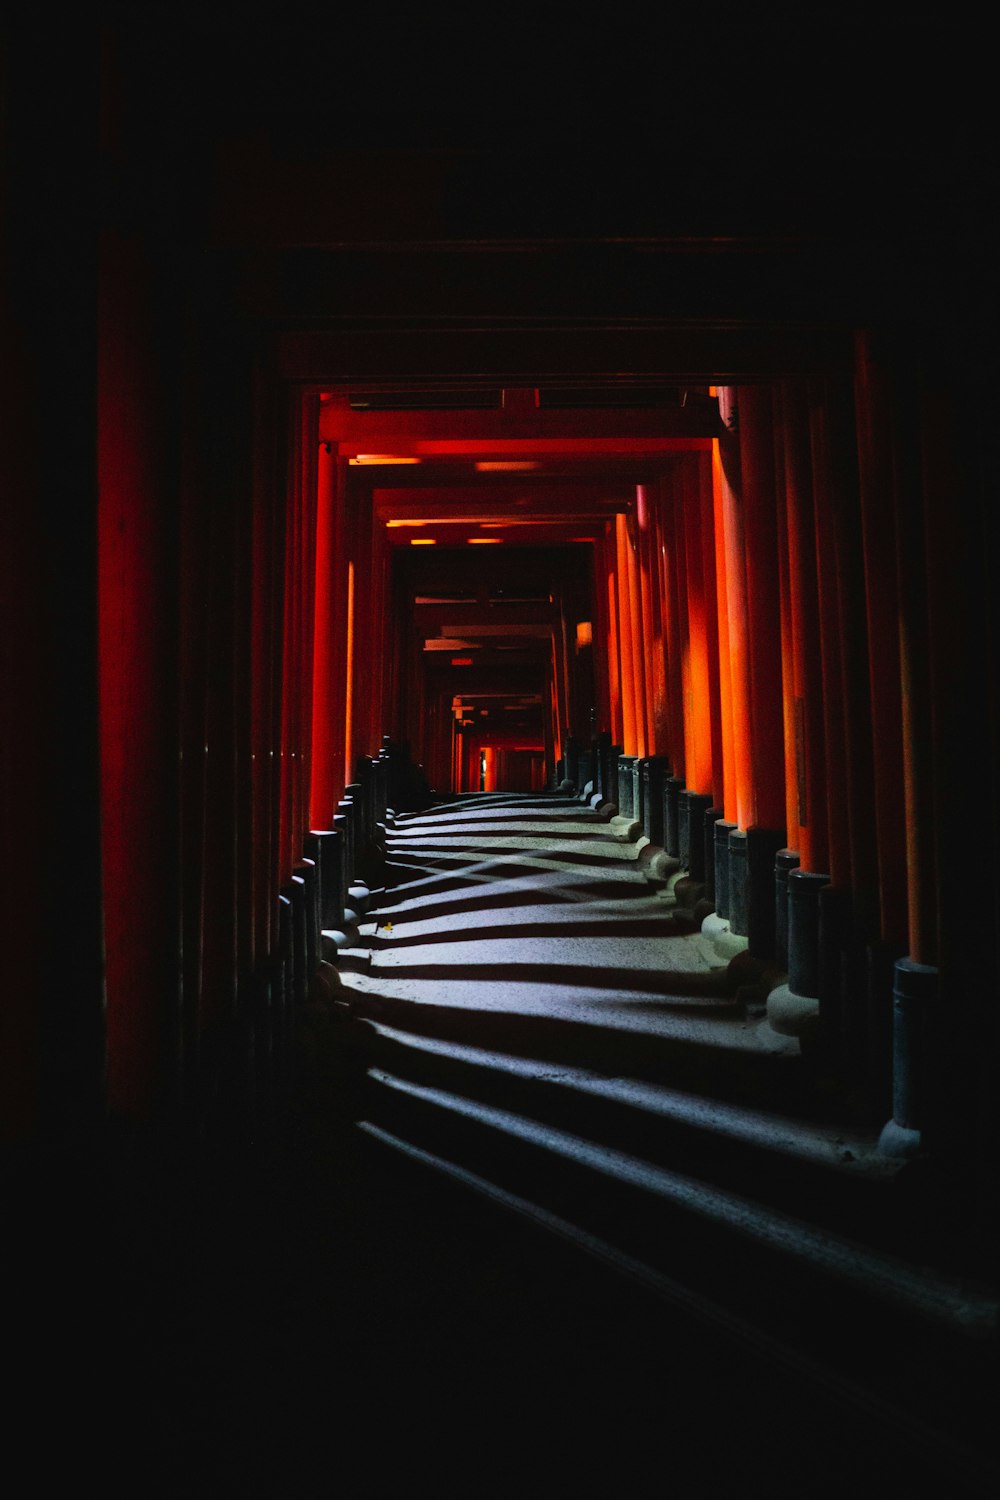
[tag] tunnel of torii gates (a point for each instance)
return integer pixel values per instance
(728, 608)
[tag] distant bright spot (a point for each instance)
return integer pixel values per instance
(485, 541)
(381, 458)
(584, 633)
(423, 541)
(486, 467)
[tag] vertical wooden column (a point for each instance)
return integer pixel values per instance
(877, 467)
(807, 665)
(958, 1070)
(706, 511)
(625, 637)
(608, 570)
(631, 545)
(764, 748)
(834, 728)
(602, 654)
(697, 686)
(325, 785)
(719, 483)
(658, 650)
(787, 630)
(291, 704)
(365, 666)
(766, 829)
(676, 569)
(644, 565)
(137, 584)
(52, 1015)
(734, 542)
(307, 431)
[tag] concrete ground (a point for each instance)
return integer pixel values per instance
(543, 1263)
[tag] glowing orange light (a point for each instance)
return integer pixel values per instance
(423, 541)
(462, 661)
(489, 467)
(485, 541)
(382, 458)
(407, 523)
(584, 633)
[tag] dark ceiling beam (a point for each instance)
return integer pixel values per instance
(691, 355)
(389, 431)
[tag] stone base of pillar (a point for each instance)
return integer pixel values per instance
(881, 962)
(726, 943)
(914, 992)
(626, 828)
(692, 807)
(722, 832)
(712, 816)
(672, 788)
(804, 887)
(359, 896)
(658, 865)
(899, 1142)
(738, 881)
(762, 850)
(785, 861)
(790, 1014)
(626, 805)
(335, 938)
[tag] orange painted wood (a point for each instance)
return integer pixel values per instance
(697, 692)
(876, 467)
(325, 790)
(627, 681)
(834, 708)
(738, 626)
(729, 801)
(807, 666)
(635, 619)
(706, 510)
(787, 634)
(673, 573)
(609, 547)
(853, 647)
(644, 526)
(765, 721)
(657, 648)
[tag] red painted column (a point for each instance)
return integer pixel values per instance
(644, 530)
(835, 711)
(627, 682)
(676, 582)
(658, 651)
(138, 706)
(706, 511)
(735, 543)
(765, 806)
(602, 654)
(697, 685)
(807, 666)
(787, 630)
(617, 719)
(719, 483)
(326, 785)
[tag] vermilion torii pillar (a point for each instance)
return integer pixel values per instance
(746, 486)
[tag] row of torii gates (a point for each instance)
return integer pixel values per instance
(791, 617)
(772, 649)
